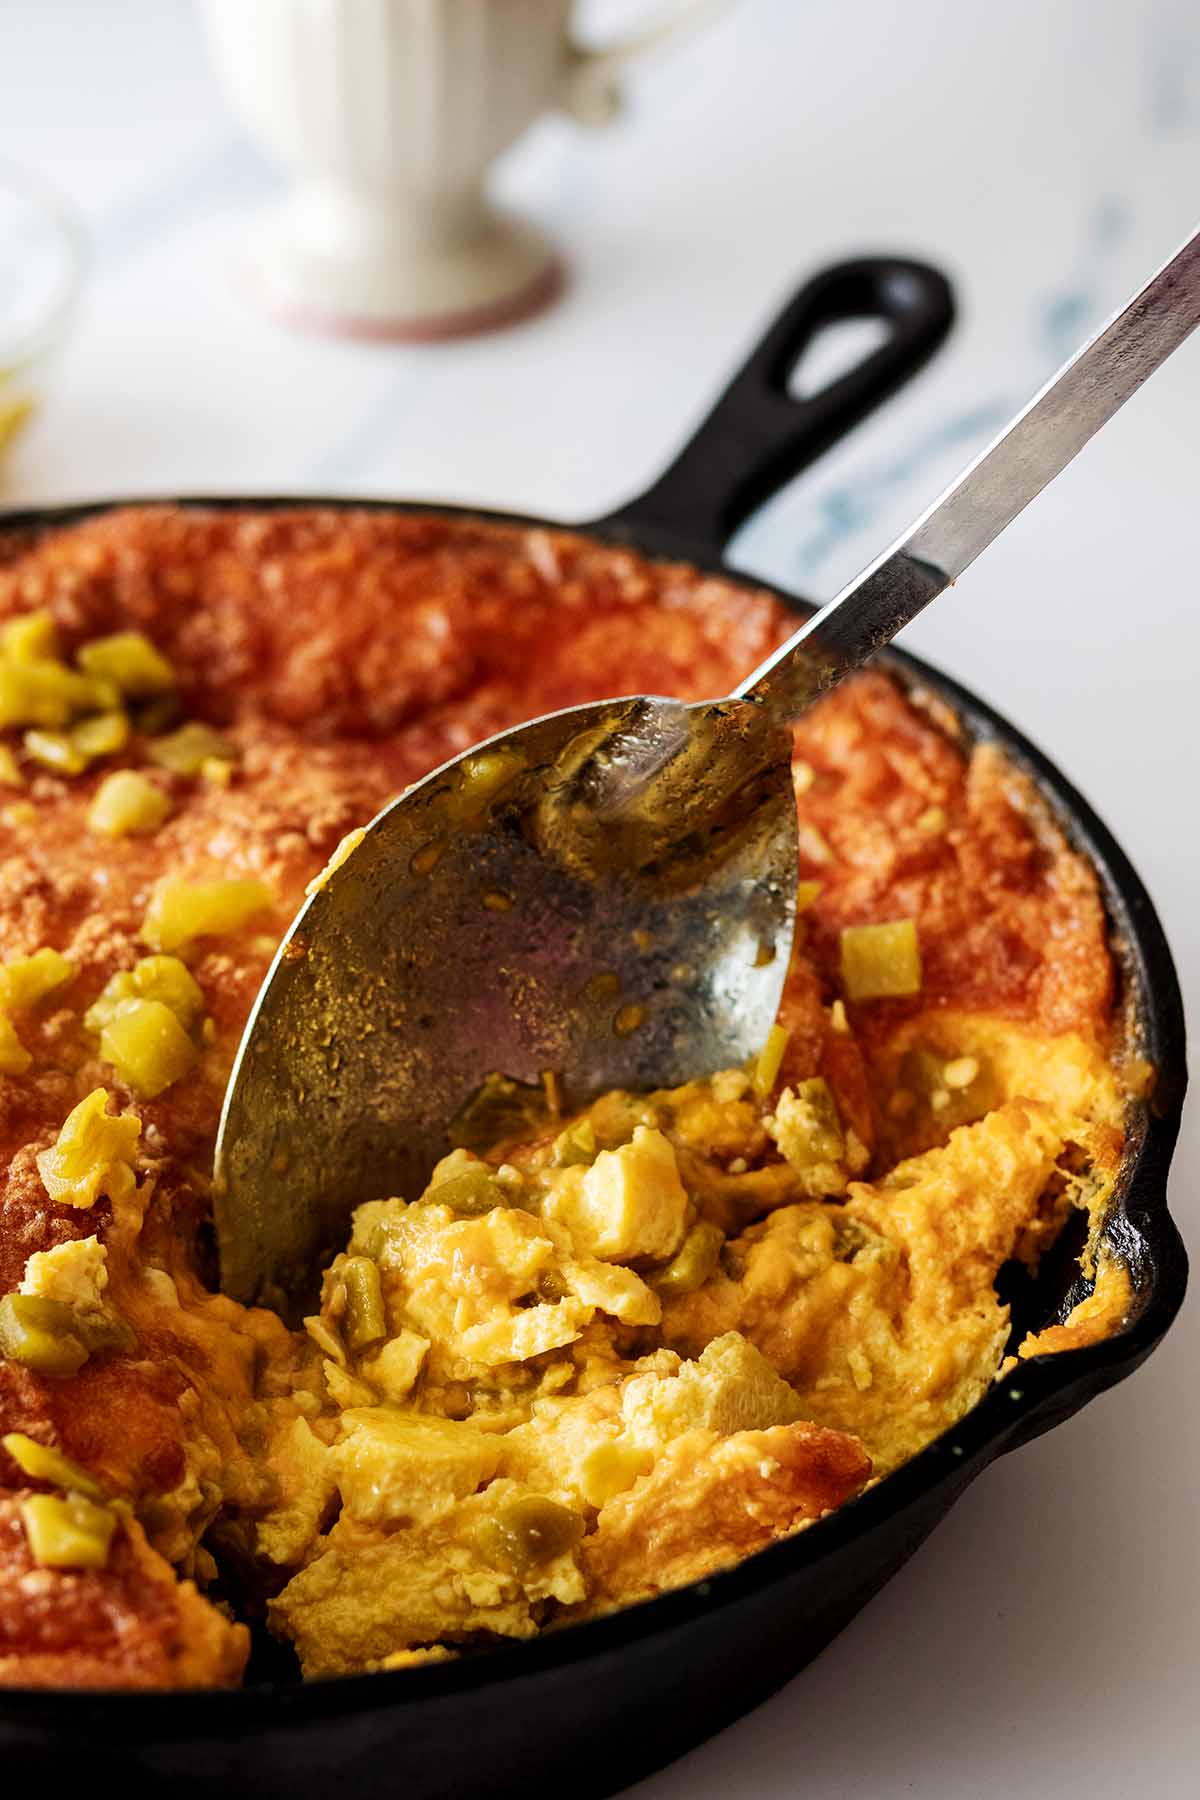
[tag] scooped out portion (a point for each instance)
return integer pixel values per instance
(588, 1367)
(611, 1348)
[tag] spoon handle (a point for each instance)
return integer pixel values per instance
(988, 495)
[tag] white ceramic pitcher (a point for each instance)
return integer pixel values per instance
(390, 113)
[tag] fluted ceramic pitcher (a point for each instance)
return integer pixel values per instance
(389, 113)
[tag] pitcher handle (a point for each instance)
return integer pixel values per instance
(590, 92)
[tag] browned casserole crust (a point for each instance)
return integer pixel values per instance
(342, 654)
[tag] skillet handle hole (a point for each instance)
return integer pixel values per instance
(836, 349)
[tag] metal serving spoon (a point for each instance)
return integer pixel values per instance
(607, 893)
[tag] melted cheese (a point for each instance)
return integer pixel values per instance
(844, 1328)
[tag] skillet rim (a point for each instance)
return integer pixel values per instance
(1051, 1387)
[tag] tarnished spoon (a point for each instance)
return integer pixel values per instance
(607, 893)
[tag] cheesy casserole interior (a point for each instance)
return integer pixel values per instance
(606, 1352)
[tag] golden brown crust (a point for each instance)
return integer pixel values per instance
(427, 629)
(119, 1418)
(1095, 1318)
(710, 1501)
(1009, 919)
(131, 1624)
(345, 653)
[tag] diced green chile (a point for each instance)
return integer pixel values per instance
(365, 1319)
(575, 1145)
(532, 1531)
(41, 1335)
(694, 1261)
(852, 1239)
(106, 1333)
(471, 1193)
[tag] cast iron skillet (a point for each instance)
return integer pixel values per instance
(590, 1709)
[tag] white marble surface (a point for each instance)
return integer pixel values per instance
(1047, 152)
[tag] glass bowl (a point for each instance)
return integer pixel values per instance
(42, 259)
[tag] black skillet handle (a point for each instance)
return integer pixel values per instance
(758, 436)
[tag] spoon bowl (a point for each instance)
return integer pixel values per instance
(604, 897)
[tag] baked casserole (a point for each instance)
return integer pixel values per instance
(609, 1349)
